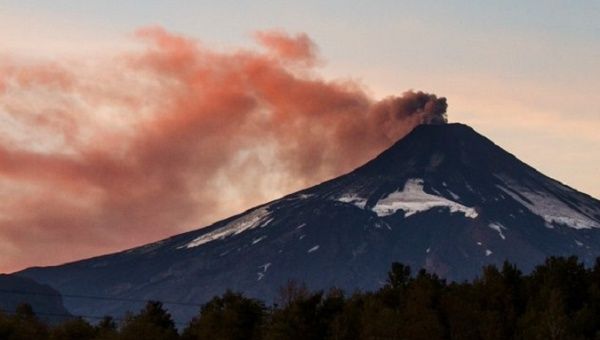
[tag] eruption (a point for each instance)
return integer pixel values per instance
(124, 150)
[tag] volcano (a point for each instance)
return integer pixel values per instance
(443, 198)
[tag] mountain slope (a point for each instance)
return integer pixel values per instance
(443, 198)
(46, 302)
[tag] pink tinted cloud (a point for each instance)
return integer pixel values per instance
(299, 48)
(116, 154)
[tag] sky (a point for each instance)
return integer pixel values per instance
(124, 123)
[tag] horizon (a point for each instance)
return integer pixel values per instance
(112, 138)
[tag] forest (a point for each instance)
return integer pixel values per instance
(559, 299)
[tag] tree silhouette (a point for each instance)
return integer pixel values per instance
(559, 299)
(229, 317)
(152, 322)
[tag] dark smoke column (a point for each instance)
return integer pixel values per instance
(430, 108)
(393, 117)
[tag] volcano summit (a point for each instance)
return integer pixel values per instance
(443, 198)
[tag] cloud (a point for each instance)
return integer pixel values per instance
(299, 48)
(103, 155)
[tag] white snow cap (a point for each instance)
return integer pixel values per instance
(412, 200)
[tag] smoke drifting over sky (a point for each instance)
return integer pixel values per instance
(97, 156)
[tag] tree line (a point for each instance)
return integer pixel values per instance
(559, 299)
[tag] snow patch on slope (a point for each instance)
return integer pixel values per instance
(313, 249)
(412, 199)
(258, 217)
(454, 196)
(353, 199)
(255, 241)
(549, 207)
(498, 227)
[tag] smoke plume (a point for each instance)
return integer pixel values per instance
(97, 156)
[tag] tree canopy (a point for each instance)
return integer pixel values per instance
(560, 299)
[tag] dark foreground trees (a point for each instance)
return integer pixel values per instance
(558, 300)
(231, 316)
